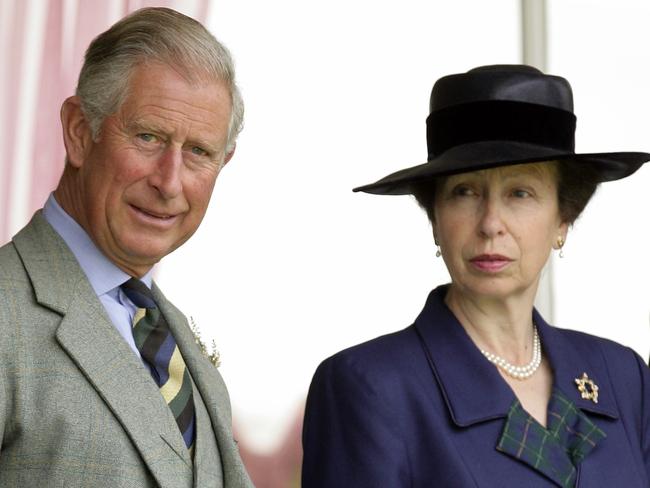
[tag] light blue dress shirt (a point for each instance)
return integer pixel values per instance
(105, 278)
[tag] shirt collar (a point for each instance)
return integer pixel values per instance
(474, 390)
(101, 272)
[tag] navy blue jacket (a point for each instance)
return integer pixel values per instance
(422, 407)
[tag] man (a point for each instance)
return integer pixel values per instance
(102, 383)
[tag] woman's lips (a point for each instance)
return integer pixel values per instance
(490, 263)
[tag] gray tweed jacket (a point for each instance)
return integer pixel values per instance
(77, 407)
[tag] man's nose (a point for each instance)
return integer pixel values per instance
(166, 176)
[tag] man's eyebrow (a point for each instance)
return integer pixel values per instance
(204, 143)
(139, 126)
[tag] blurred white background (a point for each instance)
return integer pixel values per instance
(290, 266)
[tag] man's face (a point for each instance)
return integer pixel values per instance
(143, 187)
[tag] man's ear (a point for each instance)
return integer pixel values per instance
(77, 136)
(229, 155)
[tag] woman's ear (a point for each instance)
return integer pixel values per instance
(562, 232)
(434, 232)
(564, 229)
(77, 136)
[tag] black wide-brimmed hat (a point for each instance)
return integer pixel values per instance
(497, 116)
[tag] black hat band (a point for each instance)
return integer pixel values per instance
(500, 120)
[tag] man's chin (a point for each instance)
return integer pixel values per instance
(137, 260)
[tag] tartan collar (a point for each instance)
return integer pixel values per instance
(555, 451)
(476, 393)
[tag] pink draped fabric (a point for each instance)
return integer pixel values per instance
(10, 103)
(280, 468)
(53, 87)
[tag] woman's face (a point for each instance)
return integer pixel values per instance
(496, 228)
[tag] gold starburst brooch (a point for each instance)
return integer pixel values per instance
(587, 388)
(212, 355)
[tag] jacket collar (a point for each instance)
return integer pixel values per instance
(571, 354)
(102, 355)
(213, 392)
(86, 334)
(474, 390)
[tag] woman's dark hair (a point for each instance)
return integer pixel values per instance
(577, 183)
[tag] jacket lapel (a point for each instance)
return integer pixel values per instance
(475, 392)
(212, 390)
(571, 356)
(96, 347)
(208, 470)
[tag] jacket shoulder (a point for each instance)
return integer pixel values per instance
(380, 353)
(612, 351)
(12, 271)
(385, 365)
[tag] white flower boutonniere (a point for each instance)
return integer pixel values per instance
(212, 355)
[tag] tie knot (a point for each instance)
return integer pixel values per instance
(138, 293)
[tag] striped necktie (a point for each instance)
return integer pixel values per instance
(158, 348)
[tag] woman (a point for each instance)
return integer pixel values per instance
(480, 390)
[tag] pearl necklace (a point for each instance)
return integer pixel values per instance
(519, 372)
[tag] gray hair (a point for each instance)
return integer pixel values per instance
(160, 35)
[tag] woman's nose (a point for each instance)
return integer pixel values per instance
(491, 222)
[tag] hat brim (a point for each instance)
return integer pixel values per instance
(490, 154)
